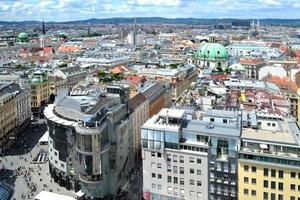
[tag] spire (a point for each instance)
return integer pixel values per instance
(134, 25)
(44, 30)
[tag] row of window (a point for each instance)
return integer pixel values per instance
(280, 185)
(181, 159)
(279, 197)
(181, 181)
(273, 172)
(181, 170)
(175, 191)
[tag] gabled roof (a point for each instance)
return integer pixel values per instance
(136, 101)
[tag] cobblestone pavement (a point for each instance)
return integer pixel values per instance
(26, 178)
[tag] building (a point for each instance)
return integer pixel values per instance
(210, 55)
(252, 67)
(139, 106)
(269, 166)
(90, 140)
(40, 92)
(72, 75)
(180, 79)
(188, 158)
(15, 112)
(158, 93)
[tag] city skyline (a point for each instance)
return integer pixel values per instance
(72, 10)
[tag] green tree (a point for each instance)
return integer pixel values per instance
(19, 67)
(101, 73)
(63, 65)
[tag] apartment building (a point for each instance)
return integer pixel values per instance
(40, 91)
(15, 112)
(186, 158)
(269, 165)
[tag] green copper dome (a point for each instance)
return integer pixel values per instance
(237, 67)
(23, 37)
(212, 51)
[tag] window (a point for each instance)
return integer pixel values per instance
(293, 175)
(280, 174)
(62, 165)
(182, 192)
(246, 191)
(272, 196)
(181, 159)
(170, 190)
(159, 165)
(175, 158)
(169, 179)
(175, 191)
(159, 155)
(169, 168)
(152, 164)
(175, 180)
(55, 161)
(181, 170)
(159, 187)
(266, 196)
(192, 171)
(153, 175)
(181, 181)
(199, 183)
(292, 198)
(159, 176)
(253, 169)
(225, 121)
(191, 160)
(192, 193)
(268, 124)
(198, 194)
(246, 168)
(246, 179)
(198, 160)
(153, 154)
(280, 197)
(212, 119)
(298, 188)
(153, 186)
(192, 182)
(199, 172)
(169, 157)
(280, 186)
(273, 185)
(293, 187)
(253, 192)
(266, 184)
(273, 172)
(175, 169)
(253, 181)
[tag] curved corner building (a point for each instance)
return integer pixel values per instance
(90, 135)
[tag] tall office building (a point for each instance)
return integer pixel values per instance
(186, 158)
(90, 140)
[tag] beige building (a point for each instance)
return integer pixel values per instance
(40, 91)
(15, 112)
(139, 105)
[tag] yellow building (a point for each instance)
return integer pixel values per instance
(8, 117)
(40, 91)
(269, 160)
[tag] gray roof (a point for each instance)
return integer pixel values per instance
(207, 128)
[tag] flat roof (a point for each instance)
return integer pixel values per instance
(207, 128)
(287, 135)
(173, 113)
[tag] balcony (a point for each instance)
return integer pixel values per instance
(268, 152)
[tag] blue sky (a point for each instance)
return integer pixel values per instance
(65, 10)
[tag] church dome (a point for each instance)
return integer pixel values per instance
(23, 37)
(212, 51)
(237, 67)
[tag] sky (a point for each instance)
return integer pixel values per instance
(69, 10)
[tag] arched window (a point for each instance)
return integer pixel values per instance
(219, 64)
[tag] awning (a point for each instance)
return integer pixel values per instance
(263, 146)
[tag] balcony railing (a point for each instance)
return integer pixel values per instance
(275, 153)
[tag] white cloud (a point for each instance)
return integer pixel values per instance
(159, 2)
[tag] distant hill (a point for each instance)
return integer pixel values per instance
(147, 20)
